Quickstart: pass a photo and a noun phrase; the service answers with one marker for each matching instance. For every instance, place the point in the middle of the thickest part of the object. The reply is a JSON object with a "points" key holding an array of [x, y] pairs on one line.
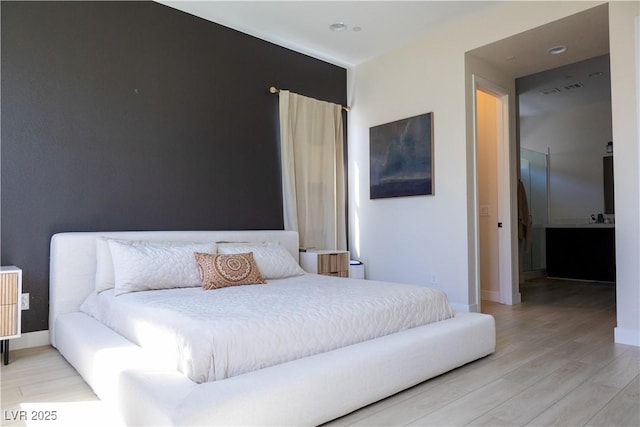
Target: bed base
{"points": [[307, 391]]}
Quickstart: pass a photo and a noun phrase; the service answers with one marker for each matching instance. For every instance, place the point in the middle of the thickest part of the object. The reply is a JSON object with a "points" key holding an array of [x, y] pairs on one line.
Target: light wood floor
{"points": [[555, 364]]}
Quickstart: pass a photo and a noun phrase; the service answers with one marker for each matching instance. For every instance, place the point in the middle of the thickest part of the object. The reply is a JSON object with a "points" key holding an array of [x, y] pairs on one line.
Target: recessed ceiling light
{"points": [[338, 26], [557, 50]]}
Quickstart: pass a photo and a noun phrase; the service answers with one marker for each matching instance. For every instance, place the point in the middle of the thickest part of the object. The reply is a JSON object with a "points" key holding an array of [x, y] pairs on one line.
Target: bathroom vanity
{"points": [[581, 251]]}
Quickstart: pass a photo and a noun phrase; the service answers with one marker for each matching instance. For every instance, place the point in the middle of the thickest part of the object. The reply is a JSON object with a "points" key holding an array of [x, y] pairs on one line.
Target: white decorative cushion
{"points": [[146, 265], [273, 260]]}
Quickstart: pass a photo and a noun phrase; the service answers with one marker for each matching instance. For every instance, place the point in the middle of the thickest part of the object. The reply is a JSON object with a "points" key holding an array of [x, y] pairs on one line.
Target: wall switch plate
{"points": [[24, 302]]}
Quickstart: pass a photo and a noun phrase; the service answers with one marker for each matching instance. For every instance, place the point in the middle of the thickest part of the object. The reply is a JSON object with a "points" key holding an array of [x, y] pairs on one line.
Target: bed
{"points": [[148, 388]]}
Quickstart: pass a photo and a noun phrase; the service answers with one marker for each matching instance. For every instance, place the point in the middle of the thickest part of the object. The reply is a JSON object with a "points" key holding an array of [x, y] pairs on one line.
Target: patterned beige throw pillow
{"points": [[222, 270]]}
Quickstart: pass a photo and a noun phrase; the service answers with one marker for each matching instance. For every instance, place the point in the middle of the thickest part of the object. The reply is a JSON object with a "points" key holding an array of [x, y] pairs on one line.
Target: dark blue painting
{"points": [[401, 156]]}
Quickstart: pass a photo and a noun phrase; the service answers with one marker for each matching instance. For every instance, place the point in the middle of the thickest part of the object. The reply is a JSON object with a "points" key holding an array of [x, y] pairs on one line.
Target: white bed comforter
{"points": [[216, 334]]}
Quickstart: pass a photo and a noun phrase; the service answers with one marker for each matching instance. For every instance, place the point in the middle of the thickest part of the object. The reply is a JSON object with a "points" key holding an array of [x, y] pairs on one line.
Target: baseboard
{"points": [[627, 336], [30, 339], [490, 296], [516, 298], [533, 274], [465, 308]]}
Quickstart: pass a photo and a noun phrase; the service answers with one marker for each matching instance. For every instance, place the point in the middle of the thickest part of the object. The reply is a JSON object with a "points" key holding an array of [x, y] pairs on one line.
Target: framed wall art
{"points": [[401, 158]]}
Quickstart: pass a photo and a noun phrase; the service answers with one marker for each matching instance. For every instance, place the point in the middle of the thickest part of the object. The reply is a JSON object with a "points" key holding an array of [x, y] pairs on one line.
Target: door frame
{"points": [[508, 250]]}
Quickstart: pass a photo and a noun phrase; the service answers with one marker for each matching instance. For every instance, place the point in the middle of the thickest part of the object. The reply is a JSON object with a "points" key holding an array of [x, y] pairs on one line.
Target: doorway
{"points": [[493, 193]]}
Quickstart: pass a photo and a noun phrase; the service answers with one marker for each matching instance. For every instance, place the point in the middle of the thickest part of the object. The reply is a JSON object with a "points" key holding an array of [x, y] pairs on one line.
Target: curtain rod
{"points": [[274, 89]]}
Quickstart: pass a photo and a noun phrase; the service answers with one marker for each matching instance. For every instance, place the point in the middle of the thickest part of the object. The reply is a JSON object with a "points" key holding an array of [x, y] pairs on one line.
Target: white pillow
{"points": [[104, 261], [273, 260], [146, 265], [104, 265]]}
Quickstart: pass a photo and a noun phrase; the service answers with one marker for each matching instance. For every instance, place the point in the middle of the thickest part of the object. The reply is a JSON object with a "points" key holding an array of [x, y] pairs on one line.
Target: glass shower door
{"points": [[534, 175]]}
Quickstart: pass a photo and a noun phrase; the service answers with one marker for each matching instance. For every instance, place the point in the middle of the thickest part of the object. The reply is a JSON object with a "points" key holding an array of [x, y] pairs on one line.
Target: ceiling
{"points": [[581, 83], [377, 27], [547, 83], [303, 26]]}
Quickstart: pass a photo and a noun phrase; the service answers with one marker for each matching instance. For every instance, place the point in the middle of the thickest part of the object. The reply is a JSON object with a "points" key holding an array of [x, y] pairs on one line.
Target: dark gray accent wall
{"points": [[136, 116]]}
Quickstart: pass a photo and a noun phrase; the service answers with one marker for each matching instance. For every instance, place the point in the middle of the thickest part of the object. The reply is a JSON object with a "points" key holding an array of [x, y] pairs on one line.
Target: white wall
{"points": [[577, 139], [410, 239], [625, 45]]}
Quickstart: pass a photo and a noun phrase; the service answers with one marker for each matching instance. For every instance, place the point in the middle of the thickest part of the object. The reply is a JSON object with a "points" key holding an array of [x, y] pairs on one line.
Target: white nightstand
{"points": [[10, 315], [326, 262]]}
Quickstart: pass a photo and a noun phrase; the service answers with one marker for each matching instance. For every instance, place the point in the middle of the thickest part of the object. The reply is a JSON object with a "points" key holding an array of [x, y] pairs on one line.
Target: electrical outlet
{"points": [[24, 302], [434, 280]]}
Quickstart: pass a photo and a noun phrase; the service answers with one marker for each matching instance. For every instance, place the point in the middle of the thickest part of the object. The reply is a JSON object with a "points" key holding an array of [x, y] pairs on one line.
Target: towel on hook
{"points": [[524, 219]]}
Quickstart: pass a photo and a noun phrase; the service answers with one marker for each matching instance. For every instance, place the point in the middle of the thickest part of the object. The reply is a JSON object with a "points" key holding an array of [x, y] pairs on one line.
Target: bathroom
{"points": [[566, 164]]}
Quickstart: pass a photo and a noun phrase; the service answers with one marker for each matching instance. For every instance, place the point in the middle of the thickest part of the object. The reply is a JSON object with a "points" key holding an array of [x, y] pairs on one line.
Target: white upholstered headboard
{"points": [[73, 259]]}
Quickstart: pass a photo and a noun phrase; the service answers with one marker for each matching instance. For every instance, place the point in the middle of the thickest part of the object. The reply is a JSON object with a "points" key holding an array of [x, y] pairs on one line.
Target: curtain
{"points": [[311, 153]]}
